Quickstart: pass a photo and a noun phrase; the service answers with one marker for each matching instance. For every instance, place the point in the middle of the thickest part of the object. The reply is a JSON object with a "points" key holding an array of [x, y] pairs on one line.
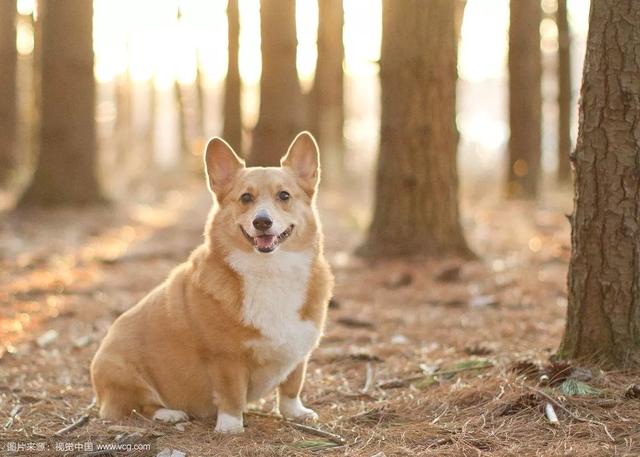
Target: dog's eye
{"points": [[246, 198], [284, 195]]}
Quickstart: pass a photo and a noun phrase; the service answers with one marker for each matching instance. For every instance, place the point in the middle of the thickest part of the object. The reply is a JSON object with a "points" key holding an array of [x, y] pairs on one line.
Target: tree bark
{"points": [[281, 108], [564, 93], [525, 99], [603, 316], [8, 89], [232, 131], [327, 96], [66, 171], [416, 207]]}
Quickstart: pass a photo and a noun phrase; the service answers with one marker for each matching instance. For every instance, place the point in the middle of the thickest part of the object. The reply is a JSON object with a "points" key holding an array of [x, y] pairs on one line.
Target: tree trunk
{"points": [[66, 169], [328, 110], [564, 93], [416, 207], [185, 148], [603, 316], [232, 131], [8, 89], [525, 99], [281, 112]]}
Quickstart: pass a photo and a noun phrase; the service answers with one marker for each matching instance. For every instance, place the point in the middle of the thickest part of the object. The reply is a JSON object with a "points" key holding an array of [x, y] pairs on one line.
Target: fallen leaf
{"points": [[428, 381], [365, 356], [448, 273], [354, 323], [478, 349]]}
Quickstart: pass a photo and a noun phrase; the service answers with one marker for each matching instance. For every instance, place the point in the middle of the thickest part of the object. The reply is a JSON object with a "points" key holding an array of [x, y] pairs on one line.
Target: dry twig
{"points": [[406, 381], [572, 415], [305, 428], [84, 419]]}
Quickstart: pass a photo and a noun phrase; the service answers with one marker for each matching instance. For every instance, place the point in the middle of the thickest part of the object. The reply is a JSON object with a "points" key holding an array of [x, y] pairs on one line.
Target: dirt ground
{"points": [[442, 358]]}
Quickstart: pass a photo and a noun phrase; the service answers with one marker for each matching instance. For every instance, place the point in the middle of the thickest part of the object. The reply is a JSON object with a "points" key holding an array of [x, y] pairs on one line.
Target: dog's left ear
{"points": [[304, 159], [221, 164]]}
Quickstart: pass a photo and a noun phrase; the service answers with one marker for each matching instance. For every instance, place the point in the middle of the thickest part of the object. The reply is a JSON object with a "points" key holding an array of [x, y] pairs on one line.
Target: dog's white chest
{"points": [[275, 289]]}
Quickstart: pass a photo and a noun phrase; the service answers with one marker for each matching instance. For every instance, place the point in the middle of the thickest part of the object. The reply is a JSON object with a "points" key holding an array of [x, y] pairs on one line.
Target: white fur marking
{"points": [[275, 289], [292, 408], [227, 423], [171, 416]]}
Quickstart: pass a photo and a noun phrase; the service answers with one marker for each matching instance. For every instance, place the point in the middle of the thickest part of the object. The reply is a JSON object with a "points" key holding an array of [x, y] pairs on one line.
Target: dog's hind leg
{"points": [[117, 403]]}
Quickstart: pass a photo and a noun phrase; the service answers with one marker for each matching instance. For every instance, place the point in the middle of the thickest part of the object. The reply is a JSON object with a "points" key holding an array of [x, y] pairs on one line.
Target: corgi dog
{"points": [[240, 318]]}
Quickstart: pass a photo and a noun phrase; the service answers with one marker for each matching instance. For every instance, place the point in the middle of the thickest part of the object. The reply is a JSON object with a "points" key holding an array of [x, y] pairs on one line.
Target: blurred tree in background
{"points": [[525, 99], [416, 193], [604, 272], [8, 89], [564, 93], [327, 110], [66, 172], [232, 131], [281, 105]]}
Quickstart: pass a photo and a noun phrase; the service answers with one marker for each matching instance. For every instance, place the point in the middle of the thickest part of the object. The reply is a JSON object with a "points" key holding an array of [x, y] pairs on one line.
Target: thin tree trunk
{"points": [[150, 140], [416, 207], [281, 108], [328, 100], [201, 96], [124, 122], [8, 89], [232, 131], [564, 93], [66, 172], [525, 99], [603, 316], [182, 123]]}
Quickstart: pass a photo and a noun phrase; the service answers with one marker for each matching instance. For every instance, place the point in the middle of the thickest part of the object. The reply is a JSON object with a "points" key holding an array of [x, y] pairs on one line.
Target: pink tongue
{"points": [[265, 241]]}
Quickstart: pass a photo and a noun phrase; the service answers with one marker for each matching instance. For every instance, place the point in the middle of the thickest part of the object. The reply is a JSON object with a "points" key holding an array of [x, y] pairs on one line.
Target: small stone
{"points": [[166, 452], [581, 374], [82, 341], [482, 301], [399, 339], [47, 338], [398, 280]]}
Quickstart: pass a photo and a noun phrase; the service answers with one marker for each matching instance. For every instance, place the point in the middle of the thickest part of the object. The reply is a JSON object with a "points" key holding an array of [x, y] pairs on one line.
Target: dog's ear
{"points": [[304, 159], [221, 164]]}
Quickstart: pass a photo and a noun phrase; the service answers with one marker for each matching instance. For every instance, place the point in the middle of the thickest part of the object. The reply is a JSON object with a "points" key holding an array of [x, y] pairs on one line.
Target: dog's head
{"points": [[265, 208]]}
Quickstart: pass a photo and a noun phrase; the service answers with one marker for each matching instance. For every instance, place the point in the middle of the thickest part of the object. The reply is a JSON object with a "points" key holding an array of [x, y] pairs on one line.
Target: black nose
{"points": [[262, 223]]}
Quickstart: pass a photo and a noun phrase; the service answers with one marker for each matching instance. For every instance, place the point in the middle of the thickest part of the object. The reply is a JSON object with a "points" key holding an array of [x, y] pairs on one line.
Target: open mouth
{"points": [[267, 243]]}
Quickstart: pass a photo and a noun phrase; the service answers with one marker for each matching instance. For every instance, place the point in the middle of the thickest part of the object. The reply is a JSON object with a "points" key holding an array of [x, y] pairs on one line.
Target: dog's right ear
{"points": [[221, 164]]}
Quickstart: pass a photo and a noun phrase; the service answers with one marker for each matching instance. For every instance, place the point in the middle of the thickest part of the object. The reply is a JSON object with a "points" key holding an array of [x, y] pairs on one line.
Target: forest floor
{"points": [[445, 358]]}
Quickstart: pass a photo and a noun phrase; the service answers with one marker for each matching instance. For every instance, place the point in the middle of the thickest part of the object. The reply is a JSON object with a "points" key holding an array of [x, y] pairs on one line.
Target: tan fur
{"points": [[184, 346]]}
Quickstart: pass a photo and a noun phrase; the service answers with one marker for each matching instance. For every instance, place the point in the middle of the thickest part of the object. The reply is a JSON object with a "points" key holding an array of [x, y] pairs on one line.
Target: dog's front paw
{"points": [[170, 416], [292, 408], [229, 424]]}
